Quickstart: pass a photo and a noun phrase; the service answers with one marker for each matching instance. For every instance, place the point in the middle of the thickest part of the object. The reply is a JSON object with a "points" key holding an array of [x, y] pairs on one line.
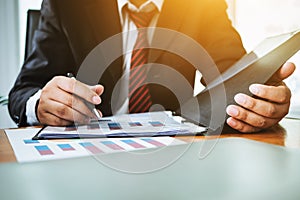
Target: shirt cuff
{"points": [[30, 108]]}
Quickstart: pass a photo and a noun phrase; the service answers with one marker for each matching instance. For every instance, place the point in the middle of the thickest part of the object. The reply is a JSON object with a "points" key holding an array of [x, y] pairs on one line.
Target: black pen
{"points": [[88, 104]]}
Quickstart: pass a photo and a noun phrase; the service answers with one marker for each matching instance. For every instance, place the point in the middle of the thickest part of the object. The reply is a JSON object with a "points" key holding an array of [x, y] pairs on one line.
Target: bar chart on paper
{"points": [[28, 150], [126, 125]]}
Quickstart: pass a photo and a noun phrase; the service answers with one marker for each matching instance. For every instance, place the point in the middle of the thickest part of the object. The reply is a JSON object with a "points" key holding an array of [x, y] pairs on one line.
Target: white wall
{"points": [[9, 53], [24, 5], [12, 39]]}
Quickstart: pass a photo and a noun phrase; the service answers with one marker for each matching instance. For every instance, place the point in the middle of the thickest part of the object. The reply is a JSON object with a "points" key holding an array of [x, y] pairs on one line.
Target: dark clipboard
{"points": [[38, 136]]}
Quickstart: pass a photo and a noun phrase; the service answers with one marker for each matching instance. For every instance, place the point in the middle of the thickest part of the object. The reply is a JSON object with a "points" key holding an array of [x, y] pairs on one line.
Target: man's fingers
{"points": [[76, 87], [53, 120], [64, 100], [241, 126], [261, 107], [269, 105], [99, 89], [278, 94], [64, 112], [249, 117], [100, 113], [286, 70], [72, 101]]}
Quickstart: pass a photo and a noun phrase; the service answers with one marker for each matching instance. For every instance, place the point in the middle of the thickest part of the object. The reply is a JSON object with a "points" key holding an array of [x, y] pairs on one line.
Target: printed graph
{"points": [[113, 126], [112, 145], [31, 141], [134, 124], [153, 142], [156, 123], [90, 147], [93, 126], [28, 150], [66, 147], [133, 143], [44, 150]]}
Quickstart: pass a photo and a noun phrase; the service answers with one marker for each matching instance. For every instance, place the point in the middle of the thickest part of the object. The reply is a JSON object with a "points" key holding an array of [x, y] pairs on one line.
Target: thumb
{"points": [[284, 72], [98, 89]]}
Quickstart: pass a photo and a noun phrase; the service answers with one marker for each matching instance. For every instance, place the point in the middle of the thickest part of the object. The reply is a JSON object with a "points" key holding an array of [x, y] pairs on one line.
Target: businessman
{"points": [[69, 30]]}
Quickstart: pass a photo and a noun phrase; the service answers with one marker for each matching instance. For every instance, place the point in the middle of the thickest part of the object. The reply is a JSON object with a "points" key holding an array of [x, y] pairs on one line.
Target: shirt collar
{"points": [[157, 3]]}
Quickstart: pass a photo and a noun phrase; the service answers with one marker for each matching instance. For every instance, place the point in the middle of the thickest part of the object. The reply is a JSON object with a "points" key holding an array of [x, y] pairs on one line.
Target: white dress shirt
{"points": [[129, 37]]}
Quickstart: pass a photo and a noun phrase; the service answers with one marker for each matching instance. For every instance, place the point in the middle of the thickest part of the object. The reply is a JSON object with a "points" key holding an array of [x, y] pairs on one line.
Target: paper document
{"points": [[28, 150], [127, 125]]}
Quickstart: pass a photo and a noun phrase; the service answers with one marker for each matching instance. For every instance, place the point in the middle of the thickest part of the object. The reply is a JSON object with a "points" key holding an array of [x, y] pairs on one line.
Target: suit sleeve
{"points": [[50, 56], [220, 38]]}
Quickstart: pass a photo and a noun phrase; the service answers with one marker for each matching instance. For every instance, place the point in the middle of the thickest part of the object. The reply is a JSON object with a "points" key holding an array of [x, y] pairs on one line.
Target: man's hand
{"points": [[269, 105], [62, 101]]}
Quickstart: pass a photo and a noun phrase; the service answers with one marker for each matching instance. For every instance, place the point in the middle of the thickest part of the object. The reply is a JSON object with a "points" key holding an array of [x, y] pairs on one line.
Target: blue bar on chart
{"points": [[133, 124], [90, 147], [114, 126], [112, 145], [153, 142], [29, 141], [156, 123], [133, 144], [66, 147], [44, 150]]}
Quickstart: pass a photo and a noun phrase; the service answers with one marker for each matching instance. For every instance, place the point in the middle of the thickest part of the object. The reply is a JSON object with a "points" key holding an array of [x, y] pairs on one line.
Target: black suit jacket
{"points": [[70, 29]]}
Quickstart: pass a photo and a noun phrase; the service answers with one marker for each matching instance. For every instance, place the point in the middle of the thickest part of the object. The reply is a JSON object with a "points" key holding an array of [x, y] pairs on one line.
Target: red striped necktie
{"points": [[139, 96]]}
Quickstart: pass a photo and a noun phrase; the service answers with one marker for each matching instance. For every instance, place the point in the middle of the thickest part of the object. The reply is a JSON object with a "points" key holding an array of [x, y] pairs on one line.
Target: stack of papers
{"points": [[128, 125]]}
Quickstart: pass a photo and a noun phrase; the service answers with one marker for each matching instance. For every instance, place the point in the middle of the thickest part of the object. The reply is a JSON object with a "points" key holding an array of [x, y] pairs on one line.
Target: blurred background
{"points": [[254, 19]]}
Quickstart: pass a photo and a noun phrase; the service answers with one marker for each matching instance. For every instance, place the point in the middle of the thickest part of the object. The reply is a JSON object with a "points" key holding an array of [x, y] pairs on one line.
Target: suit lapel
{"points": [[104, 21], [103, 18], [171, 17]]}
